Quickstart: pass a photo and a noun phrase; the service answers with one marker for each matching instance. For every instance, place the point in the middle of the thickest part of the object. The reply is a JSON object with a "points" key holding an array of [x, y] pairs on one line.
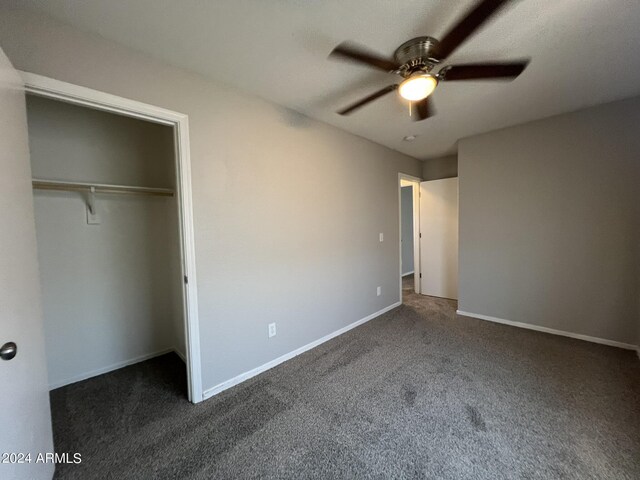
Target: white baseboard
{"points": [[553, 331], [110, 368], [408, 273], [288, 356], [180, 354]]}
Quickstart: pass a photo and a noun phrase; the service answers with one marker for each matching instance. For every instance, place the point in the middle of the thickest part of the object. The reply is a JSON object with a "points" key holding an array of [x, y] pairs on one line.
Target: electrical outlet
{"points": [[379, 291], [382, 237], [272, 330]]}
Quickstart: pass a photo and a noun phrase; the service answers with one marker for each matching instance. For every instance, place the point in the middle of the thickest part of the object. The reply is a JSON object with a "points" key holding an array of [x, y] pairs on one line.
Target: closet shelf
{"points": [[100, 188]]}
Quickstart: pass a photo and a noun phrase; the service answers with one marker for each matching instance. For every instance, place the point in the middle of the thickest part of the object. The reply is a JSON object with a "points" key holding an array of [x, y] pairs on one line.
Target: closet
{"points": [[108, 235]]}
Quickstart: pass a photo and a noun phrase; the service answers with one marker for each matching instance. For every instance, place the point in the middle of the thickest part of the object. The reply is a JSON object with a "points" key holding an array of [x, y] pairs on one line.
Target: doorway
{"points": [[409, 201], [129, 256]]}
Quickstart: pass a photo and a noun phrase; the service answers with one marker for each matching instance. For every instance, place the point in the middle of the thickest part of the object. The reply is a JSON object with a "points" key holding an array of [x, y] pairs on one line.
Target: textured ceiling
{"points": [[583, 52]]}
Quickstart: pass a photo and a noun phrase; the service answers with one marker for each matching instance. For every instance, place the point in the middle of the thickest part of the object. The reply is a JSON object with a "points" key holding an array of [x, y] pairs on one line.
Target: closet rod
{"points": [[100, 188]]}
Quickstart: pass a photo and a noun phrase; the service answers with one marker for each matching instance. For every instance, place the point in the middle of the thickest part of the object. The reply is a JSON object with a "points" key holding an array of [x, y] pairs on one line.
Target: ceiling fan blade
{"points": [[477, 71], [465, 27], [349, 51], [422, 110], [370, 98]]}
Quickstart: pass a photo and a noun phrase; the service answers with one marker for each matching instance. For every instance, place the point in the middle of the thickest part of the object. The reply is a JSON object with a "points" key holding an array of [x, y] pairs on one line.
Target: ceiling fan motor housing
{"points": [[416, 54]]}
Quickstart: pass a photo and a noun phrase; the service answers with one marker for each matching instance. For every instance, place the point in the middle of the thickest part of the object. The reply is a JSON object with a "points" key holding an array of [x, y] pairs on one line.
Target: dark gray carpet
{"points": [[416, 393]]}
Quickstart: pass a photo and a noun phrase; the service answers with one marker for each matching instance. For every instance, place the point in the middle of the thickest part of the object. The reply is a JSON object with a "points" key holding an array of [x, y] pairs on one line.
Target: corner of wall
{"points": [[441, 167]]}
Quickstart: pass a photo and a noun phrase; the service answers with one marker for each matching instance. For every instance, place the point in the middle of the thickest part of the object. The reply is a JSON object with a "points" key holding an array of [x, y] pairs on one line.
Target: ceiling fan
{"points": [[416, 60]]}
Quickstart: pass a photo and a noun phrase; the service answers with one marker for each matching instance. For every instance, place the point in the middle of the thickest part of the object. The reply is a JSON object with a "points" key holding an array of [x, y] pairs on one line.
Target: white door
{"points": [[439, 238], [25, 419]]}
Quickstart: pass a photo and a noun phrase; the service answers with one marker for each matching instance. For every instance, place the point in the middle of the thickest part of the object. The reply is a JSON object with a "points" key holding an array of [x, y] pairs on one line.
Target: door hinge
{"points": [[420, 275], [186, 279], [420, 234]]}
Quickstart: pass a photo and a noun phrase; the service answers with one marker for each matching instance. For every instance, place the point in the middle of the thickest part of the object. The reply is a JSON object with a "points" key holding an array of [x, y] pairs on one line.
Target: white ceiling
{"points": [[583, 52]]}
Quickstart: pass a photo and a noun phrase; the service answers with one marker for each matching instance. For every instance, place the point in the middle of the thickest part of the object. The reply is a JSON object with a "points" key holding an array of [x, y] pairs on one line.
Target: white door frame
{"points": [[67, 92], [415, 181]]}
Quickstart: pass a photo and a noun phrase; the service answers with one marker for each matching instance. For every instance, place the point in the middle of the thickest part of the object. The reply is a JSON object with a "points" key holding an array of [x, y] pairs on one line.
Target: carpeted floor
{"points": [[416, 393], [407, 283]]}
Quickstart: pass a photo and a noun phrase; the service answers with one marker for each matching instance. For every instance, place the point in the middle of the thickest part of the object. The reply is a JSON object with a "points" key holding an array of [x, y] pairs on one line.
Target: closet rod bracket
{"points": [[91, 202], [92, 215]]}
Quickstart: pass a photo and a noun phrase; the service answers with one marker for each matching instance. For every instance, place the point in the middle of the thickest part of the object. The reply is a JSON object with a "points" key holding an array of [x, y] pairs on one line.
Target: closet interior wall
{"points": [[112, 292]]}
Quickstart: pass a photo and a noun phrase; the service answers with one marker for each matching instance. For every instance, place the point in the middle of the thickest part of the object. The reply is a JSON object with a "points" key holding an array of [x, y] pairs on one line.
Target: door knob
{"points": [[8, 351]]}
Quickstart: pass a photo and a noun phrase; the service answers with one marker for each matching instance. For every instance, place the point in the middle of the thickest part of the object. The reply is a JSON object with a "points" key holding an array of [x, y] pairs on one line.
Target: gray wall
{"points": [[438, 168], [283, 233], [549, 220], [111, 292], [406, 207]]}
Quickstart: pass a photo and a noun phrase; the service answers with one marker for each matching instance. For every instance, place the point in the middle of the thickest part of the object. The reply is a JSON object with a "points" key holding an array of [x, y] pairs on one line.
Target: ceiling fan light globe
{"points": [[418, 87]]}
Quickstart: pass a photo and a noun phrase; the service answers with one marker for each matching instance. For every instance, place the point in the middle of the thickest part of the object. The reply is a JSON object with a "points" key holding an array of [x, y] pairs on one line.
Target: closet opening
{"points": [[113, 249]]}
